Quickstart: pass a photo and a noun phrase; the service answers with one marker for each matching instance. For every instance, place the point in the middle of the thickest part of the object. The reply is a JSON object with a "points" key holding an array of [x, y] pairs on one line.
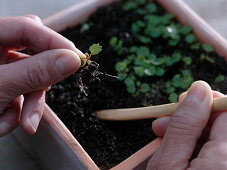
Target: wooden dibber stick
{"points": [[219, 104]]}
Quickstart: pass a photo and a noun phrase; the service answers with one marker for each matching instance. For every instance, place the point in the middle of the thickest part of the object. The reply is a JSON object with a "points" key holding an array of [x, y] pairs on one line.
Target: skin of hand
{"points": [[193, 138], [24, 78]]}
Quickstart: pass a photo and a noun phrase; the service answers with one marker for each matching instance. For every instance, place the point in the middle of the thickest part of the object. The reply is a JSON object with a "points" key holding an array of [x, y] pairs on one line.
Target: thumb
{"points": [[185, 128], [35, 73]]}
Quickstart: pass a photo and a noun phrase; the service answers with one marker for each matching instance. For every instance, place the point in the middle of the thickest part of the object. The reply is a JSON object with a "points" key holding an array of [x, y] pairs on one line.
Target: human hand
{"points": [[193, 138], [23, 77]]}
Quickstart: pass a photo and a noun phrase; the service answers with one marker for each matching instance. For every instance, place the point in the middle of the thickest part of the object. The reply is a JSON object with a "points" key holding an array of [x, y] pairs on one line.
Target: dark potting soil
{"points": [[109, 143]]}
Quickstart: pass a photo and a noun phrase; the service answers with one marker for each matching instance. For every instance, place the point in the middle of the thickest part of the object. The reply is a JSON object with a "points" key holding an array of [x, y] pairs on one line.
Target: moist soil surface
{"points": [[109, 143]]}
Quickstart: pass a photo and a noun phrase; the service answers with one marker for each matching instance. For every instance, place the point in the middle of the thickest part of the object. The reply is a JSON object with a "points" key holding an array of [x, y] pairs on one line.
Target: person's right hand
{"points": [[193, 138], [23, 77]]}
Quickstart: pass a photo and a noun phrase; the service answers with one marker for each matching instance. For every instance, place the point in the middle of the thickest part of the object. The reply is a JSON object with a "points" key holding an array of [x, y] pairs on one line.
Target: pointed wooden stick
{"points": [[219, 104]]}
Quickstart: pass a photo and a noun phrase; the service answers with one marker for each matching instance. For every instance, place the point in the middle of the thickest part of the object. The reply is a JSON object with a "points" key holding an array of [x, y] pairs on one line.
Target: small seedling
{"points": [[208, 48], [94, 50], [219, 79], [190, 38]]}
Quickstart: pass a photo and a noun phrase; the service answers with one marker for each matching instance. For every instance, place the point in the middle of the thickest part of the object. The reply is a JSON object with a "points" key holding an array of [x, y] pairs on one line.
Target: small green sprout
{"points": [[151, 8], [208, 48], [117, 45], [129, 6], [144, 88], [190, 38], [84, 27], [185, 30], [187, 60], [173, 97], [195, 46], [207, 57], [219, 79], [94, 50]]}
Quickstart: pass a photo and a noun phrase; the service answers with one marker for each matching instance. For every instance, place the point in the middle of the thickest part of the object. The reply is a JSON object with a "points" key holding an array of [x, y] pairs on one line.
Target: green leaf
{"points": [[113, 41], [139, 71], [168, 84], [150, 71], [141, 11], [143, 51], [148, 30], [185, 80], [208, 48], [172, 31], [139, 61], [151, 8], [190, 38], [144, 88], [173, 97], [206, 57], [185, 30], [122, 76], [120, 66], [195, 46], [159, 71], [144, 39], [185, 83], [131, 88], [155, 61], [95, 49], [169, 61], [186, 73], [173, 42], [155, 33], [176, 57], [219, 79], [153, 20], [138, 83], [177, 80], [169, 16], [141, 2], [166, 19], [136, 26], [140, 23], [187, 60], [129, 6], [170, 90], [133, 49]]}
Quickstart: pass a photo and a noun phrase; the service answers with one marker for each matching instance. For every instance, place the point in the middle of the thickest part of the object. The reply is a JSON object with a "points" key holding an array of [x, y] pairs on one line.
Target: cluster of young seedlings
{"points": [[142, 62]]}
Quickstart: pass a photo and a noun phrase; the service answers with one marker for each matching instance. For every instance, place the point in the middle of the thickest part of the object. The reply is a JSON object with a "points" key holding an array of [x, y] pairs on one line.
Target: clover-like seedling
{"points": [[94, 50]]}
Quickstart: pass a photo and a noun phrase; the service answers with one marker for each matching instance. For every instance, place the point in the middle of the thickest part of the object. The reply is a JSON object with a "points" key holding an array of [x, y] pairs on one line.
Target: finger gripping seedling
{"points": [[90, 72], [94, 50]]}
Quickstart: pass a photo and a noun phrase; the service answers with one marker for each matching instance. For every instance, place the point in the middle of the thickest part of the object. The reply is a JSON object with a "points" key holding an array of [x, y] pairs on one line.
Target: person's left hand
{"points": [[24, 78]]}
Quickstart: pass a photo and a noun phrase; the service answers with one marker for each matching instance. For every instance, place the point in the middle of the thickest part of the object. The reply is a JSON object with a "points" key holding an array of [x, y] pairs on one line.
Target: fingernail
{"points": [[197, 92], [67, 64], [162, 120], [34, 120], [4, 128]]}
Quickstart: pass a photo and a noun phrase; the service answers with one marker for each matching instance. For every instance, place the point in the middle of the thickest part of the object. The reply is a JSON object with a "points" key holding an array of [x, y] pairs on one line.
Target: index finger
{"points": [[28, 31]]}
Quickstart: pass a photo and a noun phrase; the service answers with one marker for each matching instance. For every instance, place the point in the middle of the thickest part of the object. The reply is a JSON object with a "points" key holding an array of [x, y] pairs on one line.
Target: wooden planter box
{"points": [[53, 146]]}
